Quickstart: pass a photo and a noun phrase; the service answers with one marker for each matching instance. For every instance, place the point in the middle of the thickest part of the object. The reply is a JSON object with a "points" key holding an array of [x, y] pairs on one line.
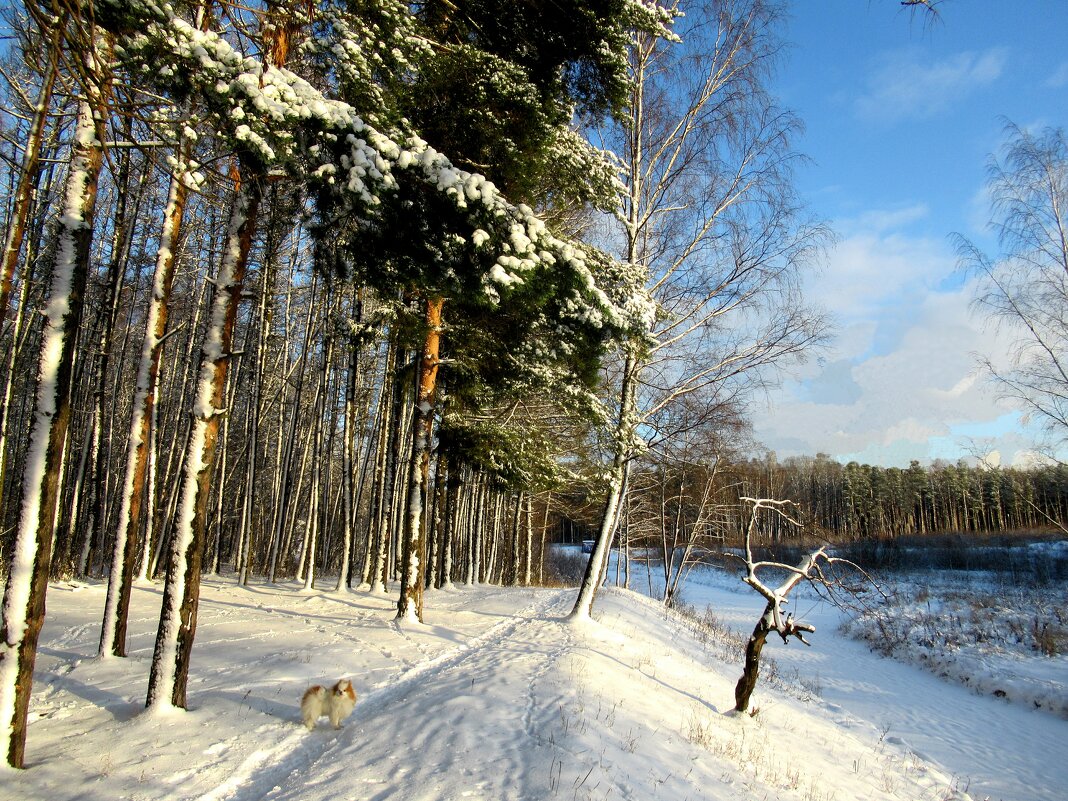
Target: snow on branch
{"points": [[816, 567], [276, 120]]}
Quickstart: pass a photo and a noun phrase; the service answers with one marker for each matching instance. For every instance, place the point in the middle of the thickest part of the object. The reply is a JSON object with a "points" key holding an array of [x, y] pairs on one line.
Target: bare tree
{"points": [[710, 222], [1024, 288], [817, 568]]}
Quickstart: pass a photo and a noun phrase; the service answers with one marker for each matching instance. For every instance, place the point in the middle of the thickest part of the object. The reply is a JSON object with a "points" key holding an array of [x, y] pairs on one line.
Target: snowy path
{"points": [[497, 698], [441, 701], [995, 749]]}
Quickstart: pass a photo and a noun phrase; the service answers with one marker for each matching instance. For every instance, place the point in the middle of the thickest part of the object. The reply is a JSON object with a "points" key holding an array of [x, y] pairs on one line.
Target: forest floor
{"points": [[497, 696]]}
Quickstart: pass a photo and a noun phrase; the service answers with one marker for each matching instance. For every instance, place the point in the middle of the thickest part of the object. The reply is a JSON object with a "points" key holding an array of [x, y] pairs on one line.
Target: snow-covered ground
{"points": [[498, 697], [999, 639], [995, 748]]}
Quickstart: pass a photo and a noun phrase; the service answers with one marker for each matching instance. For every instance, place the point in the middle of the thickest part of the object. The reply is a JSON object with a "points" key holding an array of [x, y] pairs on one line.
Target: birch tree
{"points": [[1024, 287], [710, 223], [24, 593], [183, 176]]}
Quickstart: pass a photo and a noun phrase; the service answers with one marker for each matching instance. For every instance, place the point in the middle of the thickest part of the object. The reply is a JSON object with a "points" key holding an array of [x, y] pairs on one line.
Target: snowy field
{"points": [[1008, 641], [497, 697]]}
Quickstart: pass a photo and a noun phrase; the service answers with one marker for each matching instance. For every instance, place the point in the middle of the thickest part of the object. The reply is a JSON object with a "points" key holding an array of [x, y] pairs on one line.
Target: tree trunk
{"points": [[120, 580], [511, 576], [178, 620], [544, 532], [747, 683], [24, 594], [267, 282], [624, 436], [376, 548], [348, 461], [410, 603], [318, 456]]}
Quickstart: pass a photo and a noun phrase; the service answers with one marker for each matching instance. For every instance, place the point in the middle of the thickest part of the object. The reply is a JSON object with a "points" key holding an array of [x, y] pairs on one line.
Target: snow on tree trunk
{"points": [[410, 603], [120, 581], [151, 469], [24, 594], [178, 617], [17, 219], [624, 446]]}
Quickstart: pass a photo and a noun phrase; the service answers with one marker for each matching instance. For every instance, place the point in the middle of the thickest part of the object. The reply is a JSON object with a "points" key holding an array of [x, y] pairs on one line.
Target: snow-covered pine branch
{"points": [[279, 120]]}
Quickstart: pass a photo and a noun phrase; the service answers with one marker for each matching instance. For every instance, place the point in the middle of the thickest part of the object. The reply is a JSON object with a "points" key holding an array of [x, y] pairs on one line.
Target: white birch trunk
{"points": [[24, 594], [178, 616], [624, 446], [120, 580]]}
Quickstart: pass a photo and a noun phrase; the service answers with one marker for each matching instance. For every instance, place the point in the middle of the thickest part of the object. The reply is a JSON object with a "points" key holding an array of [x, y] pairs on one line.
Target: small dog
{"points": [[337, 702]]}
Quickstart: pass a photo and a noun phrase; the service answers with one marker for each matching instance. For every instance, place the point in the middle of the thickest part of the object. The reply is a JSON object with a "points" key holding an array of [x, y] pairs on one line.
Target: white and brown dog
{"points": [[337, 702]]}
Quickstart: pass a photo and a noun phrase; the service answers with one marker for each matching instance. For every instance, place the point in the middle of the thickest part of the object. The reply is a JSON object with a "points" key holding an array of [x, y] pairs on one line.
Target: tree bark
{"points": [[410, 603], [348, 461], [178, 620], [743, 690], [24, 594], [624, 436]]}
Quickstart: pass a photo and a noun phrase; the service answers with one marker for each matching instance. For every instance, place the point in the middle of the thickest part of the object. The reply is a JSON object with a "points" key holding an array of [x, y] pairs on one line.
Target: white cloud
{"points": [[961, 387], [910, 430], [875, 267], [901, 86], [1059, 78], [977, 212], [901, 381], [1026, 459], [883, 220]]}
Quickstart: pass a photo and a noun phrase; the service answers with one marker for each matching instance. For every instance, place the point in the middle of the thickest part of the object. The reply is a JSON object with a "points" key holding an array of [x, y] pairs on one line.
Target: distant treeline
{"points": [[860, 501]]}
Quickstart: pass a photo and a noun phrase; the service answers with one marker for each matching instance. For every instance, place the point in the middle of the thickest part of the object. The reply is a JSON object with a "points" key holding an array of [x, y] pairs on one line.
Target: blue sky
{"points": [[901, 117]]}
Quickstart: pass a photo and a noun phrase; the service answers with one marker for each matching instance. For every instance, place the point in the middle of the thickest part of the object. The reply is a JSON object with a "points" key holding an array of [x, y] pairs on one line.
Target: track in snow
{"points": [[383, 716]]}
